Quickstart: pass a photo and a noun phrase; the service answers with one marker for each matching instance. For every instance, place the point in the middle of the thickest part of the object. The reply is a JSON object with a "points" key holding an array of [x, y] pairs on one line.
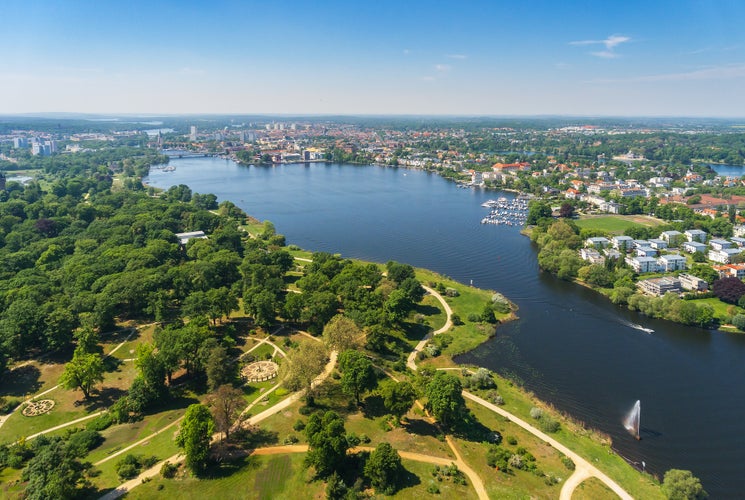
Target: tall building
{"points": [[193, 133], [20, 142]]}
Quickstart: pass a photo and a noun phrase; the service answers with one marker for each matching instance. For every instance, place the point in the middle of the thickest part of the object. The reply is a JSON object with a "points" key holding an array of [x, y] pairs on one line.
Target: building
{"points": [[591, 255], [660, 286], [730, 270], [184, 238], [193, 133], [672, 237], [692, 283], [740, 242], [622, 243], [612, 253], [724, 255], [739, 230], [20, 142], [646, 252], [658, 244], [642, 264], [718, 244], [671, 262], [597, 242], [694, 246], [695, 235]]}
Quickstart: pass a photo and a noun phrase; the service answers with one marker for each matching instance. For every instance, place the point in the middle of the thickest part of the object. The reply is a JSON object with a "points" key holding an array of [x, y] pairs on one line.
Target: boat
{"points": [[169, 168]]}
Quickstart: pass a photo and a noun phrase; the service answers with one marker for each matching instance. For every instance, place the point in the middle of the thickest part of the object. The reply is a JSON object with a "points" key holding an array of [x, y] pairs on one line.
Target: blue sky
{"points": [[623, 58]]}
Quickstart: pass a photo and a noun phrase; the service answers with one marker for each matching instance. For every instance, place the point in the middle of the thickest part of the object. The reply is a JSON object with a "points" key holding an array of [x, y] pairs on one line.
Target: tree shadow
{"points": [[374, 407], [112, 364], [470, 429], [254, 437], [427, 310], [21, 381], [422, 428], [105, 397], [407, 479], [415, 331], [226, 469]]}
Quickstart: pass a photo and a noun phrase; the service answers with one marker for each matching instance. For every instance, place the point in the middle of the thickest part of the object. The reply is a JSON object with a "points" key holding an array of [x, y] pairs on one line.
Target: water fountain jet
{"points": [[633, 420]]}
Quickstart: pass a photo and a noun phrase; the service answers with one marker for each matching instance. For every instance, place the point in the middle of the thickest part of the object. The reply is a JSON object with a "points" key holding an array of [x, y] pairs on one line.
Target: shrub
{"points": [[128, 467], [364, 438], [101, 422], [291, 439], [536, 413], [516, 461], [498, 457], [568, 462], [83, 441], [353, 440], [456, 320], [474, 318], [739, 321], [511, 440], [550, 425], [433, 488], [168, 470], [299, 425], [8, 404], [148, 462]]}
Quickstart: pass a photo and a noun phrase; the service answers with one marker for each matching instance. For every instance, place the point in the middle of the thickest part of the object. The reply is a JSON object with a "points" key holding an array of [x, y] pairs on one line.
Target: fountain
{"points": [[633, 419]]}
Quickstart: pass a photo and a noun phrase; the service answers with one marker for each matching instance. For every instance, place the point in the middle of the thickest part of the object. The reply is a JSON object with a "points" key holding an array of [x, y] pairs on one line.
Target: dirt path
{"points": [[411, 360], [579, 462]]}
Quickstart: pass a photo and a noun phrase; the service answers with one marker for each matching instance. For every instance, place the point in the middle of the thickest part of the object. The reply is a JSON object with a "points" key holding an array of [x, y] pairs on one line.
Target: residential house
{"points": [[672, 237], [597, 242], [660, 286], [612, 253], [695, 235], [646, 252], [622, 243], [740, 242], [730, 270], [641, 243], [672, 262], [591, 255], [724, 255], [642, 264], [658, 244], [185, 237], [739, 230], [718, 244], [693, 283], [694, 246]]}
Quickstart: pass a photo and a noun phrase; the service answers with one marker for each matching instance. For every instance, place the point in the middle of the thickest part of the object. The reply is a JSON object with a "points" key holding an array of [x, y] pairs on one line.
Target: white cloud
{"points": [[443, 68], [610, 43]]}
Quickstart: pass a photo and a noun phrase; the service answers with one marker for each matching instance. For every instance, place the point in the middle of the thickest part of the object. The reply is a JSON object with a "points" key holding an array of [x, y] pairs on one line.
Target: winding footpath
{"points": [[411, 360]]}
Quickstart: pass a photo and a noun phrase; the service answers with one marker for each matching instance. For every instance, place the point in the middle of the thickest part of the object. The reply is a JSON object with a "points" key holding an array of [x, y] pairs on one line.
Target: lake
{"points": [[571, 347]]}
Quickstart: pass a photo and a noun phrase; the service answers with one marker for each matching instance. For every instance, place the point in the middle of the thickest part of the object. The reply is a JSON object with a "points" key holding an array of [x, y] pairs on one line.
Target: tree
{"points": [[151, 368], [397, 397], [54, 473], [219, 367], [566, 210], [384, 469], [444, 398], [537, 210], [357, 374], [341, 333], [728, 289], [226, 405], [194, 436], [398, 272], [327, 443], [304, 365], [83, 371], [682, 485], [397, 307]]}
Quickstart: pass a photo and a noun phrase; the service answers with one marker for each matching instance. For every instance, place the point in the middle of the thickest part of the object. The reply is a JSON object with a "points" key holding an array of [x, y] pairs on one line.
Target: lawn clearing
{"points": [[616, 224]]}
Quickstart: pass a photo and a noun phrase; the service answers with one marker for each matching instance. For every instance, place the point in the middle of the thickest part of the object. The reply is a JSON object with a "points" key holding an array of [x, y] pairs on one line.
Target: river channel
{"points": [[571, 347]]}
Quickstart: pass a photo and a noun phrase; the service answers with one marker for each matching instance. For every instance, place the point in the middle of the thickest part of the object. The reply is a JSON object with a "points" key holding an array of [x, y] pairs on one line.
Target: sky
{"points": [[569, 57]]}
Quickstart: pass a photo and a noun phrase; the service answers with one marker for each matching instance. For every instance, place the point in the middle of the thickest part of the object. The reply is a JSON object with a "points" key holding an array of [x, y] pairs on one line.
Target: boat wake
{"points": [[640, 327]]}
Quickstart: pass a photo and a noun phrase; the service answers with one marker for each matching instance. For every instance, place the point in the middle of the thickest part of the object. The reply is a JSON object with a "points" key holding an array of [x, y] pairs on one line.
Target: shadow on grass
{"points": [[21, 381], [374, 407], [104, 398], [226, 469], [112, 364], [427, 310], [470, 429], [119, 336], [422, 428], [415, 331], [408, 479]]}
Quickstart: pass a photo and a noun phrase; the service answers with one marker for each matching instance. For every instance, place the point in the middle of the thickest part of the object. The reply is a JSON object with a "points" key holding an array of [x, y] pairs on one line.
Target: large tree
{"points": [[54, 473], [226, 404], [341, 333], [397, 397], [303, 365], [194, 436], [445, 398], [682, 485], [357, 373], [383, 468], [327, 443], [83, 371]]}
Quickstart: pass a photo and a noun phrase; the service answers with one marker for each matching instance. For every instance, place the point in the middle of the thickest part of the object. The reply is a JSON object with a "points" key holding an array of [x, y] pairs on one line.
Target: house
{"points": [[672, 262], [730, 270], [658, 244], [611, 253], [695, 235], [672, 237], [724, 255], [184, 238], [694, 246], [642, 264], [591, 255], [693, 283], [660, 286], [717, 244], [739, 230], [572, 194], [740, 242], [622, 243], [641, 243], [597, 242], [646, 252]]}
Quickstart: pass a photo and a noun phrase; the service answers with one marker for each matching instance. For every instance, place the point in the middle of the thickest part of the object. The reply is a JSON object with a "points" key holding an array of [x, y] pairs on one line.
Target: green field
{"points": [[616, 224]]}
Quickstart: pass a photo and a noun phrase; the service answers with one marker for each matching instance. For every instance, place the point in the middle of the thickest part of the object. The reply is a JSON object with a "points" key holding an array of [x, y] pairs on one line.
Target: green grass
{"points": [[419, 476], [616, 224], [255, 477], [593, 489], [720, 308]]}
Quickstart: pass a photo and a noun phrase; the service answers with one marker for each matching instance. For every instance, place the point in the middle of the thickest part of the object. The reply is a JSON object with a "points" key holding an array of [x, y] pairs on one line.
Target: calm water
{"points": [[728, 170], [571, 347]]}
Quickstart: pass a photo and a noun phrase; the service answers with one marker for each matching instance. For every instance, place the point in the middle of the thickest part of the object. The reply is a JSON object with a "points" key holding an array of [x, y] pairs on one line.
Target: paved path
{"points": [[141, 441], [582, 465], [411, 360]]}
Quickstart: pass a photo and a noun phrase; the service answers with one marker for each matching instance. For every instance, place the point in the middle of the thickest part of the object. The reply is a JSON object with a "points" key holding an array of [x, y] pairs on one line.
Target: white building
{"points": [[695, 235], [694, 246], [672, 237], [724, 255], [718, 244], [671, 262], [623, 243], [642, 264]]}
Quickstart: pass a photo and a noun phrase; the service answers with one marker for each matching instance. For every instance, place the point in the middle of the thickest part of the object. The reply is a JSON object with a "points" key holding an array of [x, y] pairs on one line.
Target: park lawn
{"points": [[720, 308], [585, 442], [33, 378], [254, 477], [419, 476], [11, 485], [161, 446], [262, 352], [616, 224], [593, 489], [519, 484]]}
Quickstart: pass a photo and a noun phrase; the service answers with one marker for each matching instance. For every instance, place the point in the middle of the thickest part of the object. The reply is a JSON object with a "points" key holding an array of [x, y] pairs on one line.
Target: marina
{"points": [[508, 212]]}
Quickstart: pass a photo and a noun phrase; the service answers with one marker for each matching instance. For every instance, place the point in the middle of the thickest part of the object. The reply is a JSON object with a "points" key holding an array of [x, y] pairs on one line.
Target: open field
{"points": [[616, 224]]}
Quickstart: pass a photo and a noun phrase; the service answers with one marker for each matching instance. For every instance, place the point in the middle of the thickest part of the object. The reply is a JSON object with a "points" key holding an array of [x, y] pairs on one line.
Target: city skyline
{"points": [[422, 58]]}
